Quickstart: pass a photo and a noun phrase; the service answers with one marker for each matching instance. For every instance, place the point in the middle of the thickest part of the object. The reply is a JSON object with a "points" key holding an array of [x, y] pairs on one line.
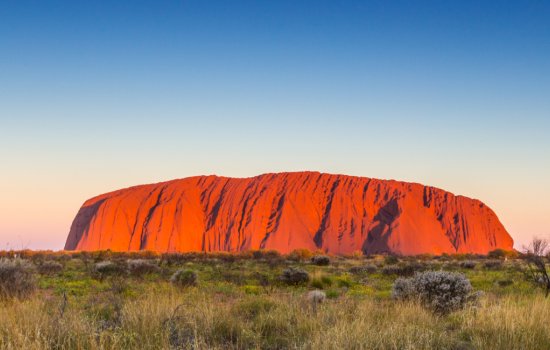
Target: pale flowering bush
{"points": [[316, 296], [440, 291], [403, 289], [139, 267]]}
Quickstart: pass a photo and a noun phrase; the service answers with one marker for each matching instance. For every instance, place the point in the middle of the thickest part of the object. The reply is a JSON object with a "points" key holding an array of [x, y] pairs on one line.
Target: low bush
{"points": [[390, 259], [440, 291], [391, 270], [254, 290], [468, 264], [369, 268], [316, 297], [184, 278], [321, 282], [320, 260], [505, 283], [332, 294], [493, 264], [404, 289], [344, 282], [294, 276], [502, 254], [357, 270], [106, 268], [263, 279], [266, 255], [299, 255], [226, 257], [105, 308], [16, 279], [251, 308], [403, 269], [140, 267], [50, 267], [236, 277], [170, 259]]}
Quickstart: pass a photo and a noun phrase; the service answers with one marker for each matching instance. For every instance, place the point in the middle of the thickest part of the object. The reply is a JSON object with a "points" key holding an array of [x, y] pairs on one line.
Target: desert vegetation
{"points": [[265, 300]]}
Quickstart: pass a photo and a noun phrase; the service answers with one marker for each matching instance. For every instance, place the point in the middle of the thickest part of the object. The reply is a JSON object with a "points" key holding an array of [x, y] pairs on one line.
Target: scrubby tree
{"points": [[535, 256]]}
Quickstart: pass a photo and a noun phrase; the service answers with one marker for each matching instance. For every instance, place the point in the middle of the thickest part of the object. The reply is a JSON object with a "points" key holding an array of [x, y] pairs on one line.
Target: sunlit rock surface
{"points": [[335, 213]]}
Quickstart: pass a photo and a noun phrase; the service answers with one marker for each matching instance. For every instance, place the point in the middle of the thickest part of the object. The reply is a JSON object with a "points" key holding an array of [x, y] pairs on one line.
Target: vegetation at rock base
{"points": [[108, 300]]}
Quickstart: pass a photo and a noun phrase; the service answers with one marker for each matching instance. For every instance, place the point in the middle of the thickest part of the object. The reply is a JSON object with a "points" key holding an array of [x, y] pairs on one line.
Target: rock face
{"points": [[335, 213]]}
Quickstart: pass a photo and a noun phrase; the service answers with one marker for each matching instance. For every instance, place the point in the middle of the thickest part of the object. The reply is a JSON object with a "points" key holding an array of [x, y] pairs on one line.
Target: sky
{"points": [[101, 95]]}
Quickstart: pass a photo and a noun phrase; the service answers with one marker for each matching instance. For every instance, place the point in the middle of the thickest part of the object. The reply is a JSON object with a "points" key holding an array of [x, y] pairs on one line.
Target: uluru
{"points": [[337, 214]]}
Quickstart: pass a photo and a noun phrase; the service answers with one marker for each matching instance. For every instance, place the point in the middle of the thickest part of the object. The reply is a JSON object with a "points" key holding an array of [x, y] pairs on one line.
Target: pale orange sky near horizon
{"points": [[38, 213], [96, 96]]}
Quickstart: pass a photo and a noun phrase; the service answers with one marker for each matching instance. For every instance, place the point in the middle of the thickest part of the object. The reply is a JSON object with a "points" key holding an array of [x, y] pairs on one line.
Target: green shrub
{"points": [[263, 279], [294, 276], [170, 259], [50, 267], [321, 282], [140, 267], [326, 280], [505, 283], [106, 268], [343, 282], [332, 294], [299, 255], [316, 283], [369, 268], [403, 269], [254, 290], [391, 270], [237, 278], [252, 307], [266, 255], [501, 253], [184, 278], [468, 264], [493, 264], [105, 308], [390, 259], [320, 260]]}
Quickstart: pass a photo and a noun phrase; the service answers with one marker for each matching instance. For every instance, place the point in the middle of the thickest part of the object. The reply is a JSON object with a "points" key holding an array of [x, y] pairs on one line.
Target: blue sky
{"points": [[101, 95]]}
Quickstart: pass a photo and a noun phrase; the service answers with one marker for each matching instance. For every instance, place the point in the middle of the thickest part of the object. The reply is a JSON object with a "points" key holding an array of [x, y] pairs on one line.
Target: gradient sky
{"points": [[100, 95]]}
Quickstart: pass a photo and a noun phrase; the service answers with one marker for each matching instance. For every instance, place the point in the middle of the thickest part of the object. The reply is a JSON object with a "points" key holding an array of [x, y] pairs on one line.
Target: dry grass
{"points": [[509, 323], [239, 302], [191, 319]]}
